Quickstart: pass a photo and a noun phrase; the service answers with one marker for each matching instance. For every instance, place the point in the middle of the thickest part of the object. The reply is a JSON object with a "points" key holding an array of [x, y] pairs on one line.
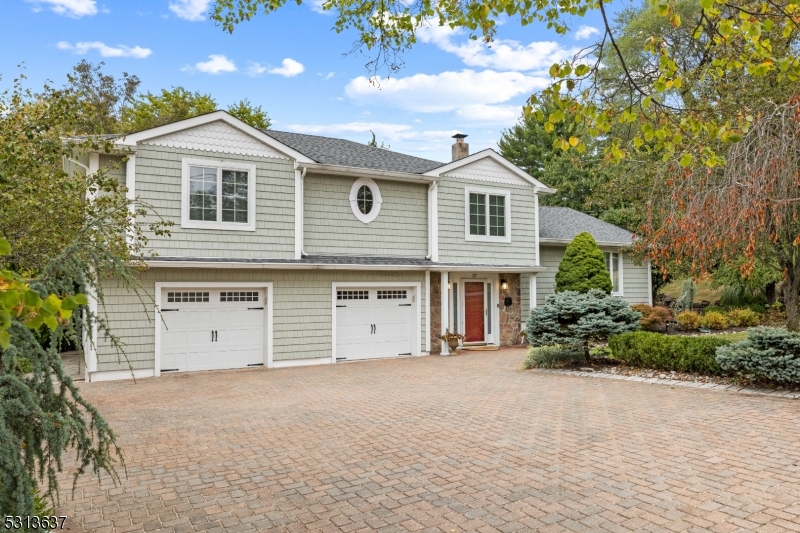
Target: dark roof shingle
{"points": [[563, 223], [330, 151]]}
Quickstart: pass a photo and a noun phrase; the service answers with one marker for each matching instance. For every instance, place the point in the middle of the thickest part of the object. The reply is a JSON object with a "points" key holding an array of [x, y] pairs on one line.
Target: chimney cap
{"points": [[460, 136]]}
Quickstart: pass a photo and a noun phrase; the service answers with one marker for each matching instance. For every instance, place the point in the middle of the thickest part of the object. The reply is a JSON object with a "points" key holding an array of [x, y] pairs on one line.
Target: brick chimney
{"points": [[460, 148]]}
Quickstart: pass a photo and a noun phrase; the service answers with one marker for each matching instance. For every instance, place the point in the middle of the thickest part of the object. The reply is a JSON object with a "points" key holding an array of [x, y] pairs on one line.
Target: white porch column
{"points": [[445, 314], [427, 330], [532, 288]]}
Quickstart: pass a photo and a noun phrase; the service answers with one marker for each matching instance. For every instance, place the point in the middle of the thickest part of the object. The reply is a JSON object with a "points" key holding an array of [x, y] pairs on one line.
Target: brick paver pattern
{"points": [[439, 444]]}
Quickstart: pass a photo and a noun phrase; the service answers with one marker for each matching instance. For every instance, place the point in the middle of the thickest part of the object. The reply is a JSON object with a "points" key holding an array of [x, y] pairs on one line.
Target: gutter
{"points": [[599, 243], [436, 267]]}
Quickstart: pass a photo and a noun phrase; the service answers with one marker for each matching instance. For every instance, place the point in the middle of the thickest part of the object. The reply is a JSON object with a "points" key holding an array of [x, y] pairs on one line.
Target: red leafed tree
{"points": [[749, 207]]}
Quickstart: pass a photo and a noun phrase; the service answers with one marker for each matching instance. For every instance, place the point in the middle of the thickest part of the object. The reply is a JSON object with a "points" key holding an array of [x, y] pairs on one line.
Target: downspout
{"points": [[84, 167]]}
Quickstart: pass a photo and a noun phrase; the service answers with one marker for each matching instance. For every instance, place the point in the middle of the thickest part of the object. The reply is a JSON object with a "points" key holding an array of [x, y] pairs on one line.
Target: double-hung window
{"points": [[488, 215], [218, 195], [614, 266]]}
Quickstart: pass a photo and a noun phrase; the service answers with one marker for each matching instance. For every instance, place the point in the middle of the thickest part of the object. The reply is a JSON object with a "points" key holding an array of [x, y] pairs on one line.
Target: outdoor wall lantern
{"points": [[504, 284]]}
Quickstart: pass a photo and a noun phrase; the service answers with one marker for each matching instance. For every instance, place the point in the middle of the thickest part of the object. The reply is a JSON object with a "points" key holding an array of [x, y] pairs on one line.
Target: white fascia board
{"points": [[359, 172], [609, 244], [133, 139], [331, 266], [477, 156]]}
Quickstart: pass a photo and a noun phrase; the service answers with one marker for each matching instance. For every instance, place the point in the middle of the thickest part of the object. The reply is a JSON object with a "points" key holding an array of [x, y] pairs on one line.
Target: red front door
{"points": [[474, 311]]}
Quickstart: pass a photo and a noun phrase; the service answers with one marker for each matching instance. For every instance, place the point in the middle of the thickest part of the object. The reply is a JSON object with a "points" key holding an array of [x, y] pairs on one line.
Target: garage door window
{"points": [[392, 295], [238, 296], [352, 295], [187, 297]]}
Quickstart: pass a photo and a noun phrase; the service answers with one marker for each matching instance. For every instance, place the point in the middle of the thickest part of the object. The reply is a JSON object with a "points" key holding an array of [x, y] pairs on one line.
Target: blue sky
{"points": [[295, 66]]}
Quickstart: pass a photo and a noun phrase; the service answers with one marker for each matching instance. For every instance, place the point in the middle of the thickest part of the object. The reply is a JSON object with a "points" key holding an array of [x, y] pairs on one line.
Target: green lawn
{"points": [[703, 291], [735, 337]]}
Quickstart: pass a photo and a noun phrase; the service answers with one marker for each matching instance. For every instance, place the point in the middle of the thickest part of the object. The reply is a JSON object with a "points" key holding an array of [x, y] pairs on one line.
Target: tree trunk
{"points": [[790, 297]]}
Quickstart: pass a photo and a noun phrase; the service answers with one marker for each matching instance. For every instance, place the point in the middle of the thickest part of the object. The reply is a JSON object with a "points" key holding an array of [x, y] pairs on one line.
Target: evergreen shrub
{"points": [[654, 318], [714, 320], [771, 353], [553, 356], [583, 267], [743, 318], [575, 319], [646, 349], [688, 320]]}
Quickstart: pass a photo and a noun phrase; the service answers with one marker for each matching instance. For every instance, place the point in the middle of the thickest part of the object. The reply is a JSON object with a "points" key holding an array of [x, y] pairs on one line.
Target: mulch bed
{"points": [[607, 365]]}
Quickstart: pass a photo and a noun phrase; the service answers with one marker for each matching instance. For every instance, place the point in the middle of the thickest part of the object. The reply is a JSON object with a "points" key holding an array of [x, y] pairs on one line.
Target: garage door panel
{"points": [[372, 327], [238, 341]]}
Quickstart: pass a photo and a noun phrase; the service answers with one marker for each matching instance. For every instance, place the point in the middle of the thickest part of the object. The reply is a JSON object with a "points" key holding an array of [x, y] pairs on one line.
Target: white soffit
{"points": [[217, 136], [487, 170]]}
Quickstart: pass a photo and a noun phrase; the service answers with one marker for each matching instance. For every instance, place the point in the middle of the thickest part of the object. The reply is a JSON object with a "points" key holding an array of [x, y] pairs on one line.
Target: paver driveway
{"points": [[467, 443]]}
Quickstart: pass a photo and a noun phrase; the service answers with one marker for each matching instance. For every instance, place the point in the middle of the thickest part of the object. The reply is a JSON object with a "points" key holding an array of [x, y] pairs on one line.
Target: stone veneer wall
{"points": [[509, 316], [436, 312]]}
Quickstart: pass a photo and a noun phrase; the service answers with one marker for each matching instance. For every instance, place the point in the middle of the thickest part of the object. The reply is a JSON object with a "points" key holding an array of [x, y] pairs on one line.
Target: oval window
{"points": [[364, 199]]}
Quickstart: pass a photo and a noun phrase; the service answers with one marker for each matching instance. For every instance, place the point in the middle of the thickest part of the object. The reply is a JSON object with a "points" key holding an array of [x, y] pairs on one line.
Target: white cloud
{"points": [[584, 32], [255, 69], [216, 64], [327, 76], [105, 50], [447, 91], [500, 54], [501, 114], [289, 69], [193, 10], [316, 6], [70, 8]]}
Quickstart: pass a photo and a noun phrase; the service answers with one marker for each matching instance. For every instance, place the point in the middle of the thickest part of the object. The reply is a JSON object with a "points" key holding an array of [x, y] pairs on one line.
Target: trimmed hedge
{"points": [[771, 353], [553, 356], [668, 352]]}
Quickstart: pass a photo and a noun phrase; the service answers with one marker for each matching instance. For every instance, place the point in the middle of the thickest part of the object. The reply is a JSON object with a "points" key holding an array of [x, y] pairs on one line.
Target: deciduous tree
{"points": [[250, 114], [740, 43], [151, 110], [68, 230], [748, 208]]}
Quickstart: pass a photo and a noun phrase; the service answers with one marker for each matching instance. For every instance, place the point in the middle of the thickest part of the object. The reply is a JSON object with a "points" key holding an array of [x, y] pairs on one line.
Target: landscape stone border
{"points": [[793, 395]]}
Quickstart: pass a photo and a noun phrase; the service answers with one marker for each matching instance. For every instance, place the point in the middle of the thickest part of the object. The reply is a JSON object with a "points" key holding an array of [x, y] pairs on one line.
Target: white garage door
{"points": [[207, 329], [374, 323]]}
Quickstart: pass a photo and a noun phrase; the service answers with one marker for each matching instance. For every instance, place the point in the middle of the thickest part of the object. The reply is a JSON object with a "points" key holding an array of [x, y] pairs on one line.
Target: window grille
{"points": [[352, 295], [392, 295], [238, 296], [187, 297]]}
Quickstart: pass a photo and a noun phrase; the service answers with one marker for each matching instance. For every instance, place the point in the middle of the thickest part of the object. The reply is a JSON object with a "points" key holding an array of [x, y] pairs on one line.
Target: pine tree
{"points": [[574, 320], [583, 267]]}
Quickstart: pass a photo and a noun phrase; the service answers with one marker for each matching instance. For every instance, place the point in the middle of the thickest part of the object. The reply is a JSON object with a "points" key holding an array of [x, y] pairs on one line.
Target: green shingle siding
{"points": [[331, 228], [158, 183], [301, 310], [453, 246], [634, 278], [114, 166]]}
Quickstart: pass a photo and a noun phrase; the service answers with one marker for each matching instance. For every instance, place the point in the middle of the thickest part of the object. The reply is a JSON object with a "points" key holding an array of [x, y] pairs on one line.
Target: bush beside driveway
{"points": [[465, 443]]}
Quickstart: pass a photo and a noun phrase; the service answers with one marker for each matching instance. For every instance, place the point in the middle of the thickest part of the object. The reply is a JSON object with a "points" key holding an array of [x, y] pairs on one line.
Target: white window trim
{"points": [[377, 200], [620, 292], [219, 165], [493, 192]]}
